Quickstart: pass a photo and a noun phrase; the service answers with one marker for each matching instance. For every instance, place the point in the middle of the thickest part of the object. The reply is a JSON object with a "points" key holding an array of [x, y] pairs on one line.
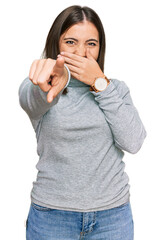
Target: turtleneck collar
{"points": [[76, 83]]}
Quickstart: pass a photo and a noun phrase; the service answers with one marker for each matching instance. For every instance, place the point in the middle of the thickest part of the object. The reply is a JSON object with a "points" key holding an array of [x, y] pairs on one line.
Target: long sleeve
{"points": [[34, 101], [122, 116]]}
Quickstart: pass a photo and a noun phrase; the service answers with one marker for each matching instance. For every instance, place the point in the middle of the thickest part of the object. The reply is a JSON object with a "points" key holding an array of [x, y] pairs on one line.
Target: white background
{"points": [[135, 33]]}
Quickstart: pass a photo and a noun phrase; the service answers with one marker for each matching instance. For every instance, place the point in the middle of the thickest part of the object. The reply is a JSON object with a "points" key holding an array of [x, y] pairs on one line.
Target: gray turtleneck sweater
{"points": [[81, 139]]}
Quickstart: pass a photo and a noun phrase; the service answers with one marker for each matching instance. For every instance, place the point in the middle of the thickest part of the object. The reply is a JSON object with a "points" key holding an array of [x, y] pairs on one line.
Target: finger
{"points": [[52, 94], [73, 71], [59, 67], [44, 76], [72, 56], [72, 62], [38, 70], [32, 69], [73, 68]]}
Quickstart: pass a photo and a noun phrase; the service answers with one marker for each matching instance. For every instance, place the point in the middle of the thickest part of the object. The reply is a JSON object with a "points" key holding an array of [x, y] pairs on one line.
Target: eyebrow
{"points": [[89, 40], [92, 39], [71, 39]]}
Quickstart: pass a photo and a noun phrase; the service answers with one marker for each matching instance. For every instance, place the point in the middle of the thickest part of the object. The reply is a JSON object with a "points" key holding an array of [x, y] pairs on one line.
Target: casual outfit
{"points": [[80, 141]]}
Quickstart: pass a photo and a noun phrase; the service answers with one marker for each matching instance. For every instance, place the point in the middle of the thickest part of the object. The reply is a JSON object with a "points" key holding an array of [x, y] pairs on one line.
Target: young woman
{"points": [[83, 122]]}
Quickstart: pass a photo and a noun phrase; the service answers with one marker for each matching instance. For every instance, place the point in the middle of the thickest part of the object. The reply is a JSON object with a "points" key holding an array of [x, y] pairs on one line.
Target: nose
{"points": [[81, 51]]}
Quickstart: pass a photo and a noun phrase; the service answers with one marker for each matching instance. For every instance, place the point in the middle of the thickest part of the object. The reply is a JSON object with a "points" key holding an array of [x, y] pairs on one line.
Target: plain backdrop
{"points": [[135, 53]]}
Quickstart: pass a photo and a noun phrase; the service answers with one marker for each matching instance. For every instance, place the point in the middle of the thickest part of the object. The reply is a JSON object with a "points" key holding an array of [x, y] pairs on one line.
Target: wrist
{"points": [[100, 84]]}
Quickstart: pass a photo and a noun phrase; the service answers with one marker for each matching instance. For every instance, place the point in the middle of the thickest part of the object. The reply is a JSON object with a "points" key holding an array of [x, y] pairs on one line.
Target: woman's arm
{"points": [[115, 102], [35, 101], [122, 116]]}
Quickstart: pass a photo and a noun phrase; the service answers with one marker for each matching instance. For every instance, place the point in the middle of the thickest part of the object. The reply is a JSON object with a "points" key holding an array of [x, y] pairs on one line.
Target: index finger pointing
{"points": [[59, 66]]}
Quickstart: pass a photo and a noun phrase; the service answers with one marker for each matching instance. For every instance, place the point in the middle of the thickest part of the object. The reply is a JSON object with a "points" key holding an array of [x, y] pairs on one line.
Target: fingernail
{"points": [[62, 53]]}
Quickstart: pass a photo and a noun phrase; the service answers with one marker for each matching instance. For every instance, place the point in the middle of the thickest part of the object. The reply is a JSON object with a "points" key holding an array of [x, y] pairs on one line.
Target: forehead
{"points": [[82, 30]]}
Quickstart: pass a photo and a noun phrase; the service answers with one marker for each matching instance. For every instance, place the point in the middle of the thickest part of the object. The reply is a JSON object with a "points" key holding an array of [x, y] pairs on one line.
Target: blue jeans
{"points": [[52, 224]]}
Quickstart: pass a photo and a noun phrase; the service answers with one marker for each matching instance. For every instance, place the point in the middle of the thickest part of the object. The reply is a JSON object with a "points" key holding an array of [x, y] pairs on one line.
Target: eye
{"points": [[92, 44], [70, 42]]}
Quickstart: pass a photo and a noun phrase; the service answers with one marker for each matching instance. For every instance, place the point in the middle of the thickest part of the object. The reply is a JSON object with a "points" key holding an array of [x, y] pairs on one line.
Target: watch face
{"points": [[100, 84]]}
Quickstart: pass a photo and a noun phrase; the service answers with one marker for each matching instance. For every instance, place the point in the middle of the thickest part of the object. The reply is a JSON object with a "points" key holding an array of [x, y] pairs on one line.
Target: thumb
{"points": [[52, 94], [88, 54]]}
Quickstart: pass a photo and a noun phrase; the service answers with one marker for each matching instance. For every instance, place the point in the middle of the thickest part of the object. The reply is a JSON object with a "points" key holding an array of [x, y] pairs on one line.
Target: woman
{"points": [[83, 121]]}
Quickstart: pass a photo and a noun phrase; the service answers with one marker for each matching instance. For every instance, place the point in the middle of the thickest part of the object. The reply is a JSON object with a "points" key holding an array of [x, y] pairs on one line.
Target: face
{"points": [[78, 38]]}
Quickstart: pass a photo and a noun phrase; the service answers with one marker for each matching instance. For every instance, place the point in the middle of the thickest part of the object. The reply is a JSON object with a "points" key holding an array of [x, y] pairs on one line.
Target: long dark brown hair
{"points": [[67, 18]]}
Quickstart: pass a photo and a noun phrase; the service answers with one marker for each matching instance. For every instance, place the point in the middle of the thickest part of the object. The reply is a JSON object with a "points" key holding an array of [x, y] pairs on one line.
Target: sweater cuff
{"points": [[69, 75]]}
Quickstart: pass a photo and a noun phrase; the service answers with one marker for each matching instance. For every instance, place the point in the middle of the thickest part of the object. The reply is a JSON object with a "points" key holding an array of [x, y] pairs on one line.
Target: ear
{"points": [[88, 54]]}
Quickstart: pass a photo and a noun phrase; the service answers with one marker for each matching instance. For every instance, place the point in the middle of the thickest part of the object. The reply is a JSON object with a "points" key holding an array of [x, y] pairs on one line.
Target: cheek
{"points": [[65, 48], [62, 48], [95, 53]]}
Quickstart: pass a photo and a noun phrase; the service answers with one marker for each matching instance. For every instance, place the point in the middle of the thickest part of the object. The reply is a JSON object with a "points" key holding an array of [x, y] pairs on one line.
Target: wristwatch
{"points": [[100, 84]]}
